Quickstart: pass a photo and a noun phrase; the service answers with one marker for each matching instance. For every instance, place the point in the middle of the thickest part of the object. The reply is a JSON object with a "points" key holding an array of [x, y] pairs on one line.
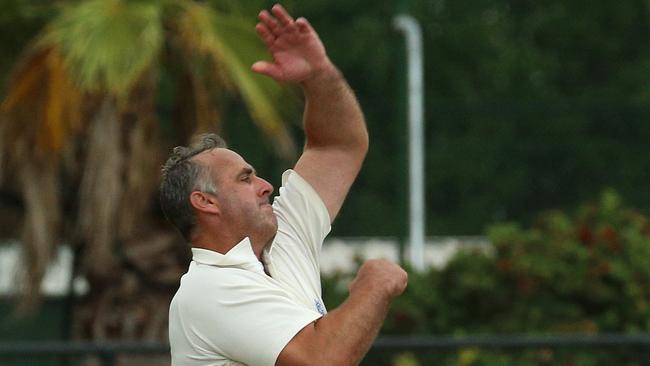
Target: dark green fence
{"points": [[579, 350]]}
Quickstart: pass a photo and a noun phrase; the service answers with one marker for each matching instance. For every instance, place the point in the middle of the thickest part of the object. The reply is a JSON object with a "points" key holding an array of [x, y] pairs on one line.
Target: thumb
{"points": [[268, 69]]}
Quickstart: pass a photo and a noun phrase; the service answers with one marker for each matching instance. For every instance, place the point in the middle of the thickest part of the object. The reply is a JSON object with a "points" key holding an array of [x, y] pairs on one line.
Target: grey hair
{"points": [[181, 176]]}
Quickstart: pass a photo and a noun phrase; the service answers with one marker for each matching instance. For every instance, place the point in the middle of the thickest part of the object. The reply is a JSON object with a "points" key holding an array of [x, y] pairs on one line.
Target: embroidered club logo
{"points": [[320, 307]]}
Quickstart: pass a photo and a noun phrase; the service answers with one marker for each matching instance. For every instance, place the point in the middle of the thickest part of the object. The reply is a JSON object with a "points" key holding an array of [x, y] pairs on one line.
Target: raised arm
{"points": [[335, 130]]}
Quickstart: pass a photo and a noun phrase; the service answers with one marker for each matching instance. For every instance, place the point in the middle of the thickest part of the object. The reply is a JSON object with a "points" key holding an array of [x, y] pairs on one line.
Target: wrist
{"points": [[372, 291], [322, 75]]}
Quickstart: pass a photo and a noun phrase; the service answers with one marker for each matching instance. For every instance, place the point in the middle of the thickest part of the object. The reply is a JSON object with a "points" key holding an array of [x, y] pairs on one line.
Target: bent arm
{"points": [[336, 137], [343, 336]]}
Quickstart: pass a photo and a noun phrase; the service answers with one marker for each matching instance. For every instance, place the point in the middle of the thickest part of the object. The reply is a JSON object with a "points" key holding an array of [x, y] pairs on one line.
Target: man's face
{"points": [[244, 198]]}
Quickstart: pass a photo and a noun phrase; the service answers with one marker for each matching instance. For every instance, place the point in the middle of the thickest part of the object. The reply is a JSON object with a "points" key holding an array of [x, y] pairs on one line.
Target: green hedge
{"points": [[587, 272]]}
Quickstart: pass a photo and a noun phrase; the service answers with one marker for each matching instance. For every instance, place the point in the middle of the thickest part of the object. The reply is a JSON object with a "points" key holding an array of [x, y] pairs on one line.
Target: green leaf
{"points": [[108, 43]]}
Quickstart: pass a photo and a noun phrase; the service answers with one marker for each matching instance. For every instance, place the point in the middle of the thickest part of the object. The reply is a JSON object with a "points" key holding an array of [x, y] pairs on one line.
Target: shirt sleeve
{"points": [[301, 213]]}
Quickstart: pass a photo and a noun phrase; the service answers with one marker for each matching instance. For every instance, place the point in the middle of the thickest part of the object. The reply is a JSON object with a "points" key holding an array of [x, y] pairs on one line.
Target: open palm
{"points": [[298, 53]]}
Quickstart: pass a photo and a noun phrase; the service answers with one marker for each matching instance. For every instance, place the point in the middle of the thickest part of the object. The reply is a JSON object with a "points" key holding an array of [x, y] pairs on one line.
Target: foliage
{"points": [[584, 273], [528, 106]]}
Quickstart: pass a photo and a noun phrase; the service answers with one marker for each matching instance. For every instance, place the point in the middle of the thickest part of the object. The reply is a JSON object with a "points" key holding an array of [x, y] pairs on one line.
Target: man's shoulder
{"points": [[203, 288], [299, 194], [209, 280]]}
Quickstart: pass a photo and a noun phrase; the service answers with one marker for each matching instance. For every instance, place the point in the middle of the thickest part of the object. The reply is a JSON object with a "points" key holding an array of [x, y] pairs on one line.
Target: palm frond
{"points": [[27, 75], [62, 108], [42, 107], [20, 110], [109, 43]]}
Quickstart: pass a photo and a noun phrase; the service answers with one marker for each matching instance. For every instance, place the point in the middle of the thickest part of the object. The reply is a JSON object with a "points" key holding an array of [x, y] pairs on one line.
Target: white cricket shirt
{"points": [[227, 311]]}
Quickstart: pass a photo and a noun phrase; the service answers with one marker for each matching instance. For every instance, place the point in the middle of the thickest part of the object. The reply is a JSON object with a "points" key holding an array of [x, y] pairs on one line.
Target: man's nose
{"points": [[265, 187]]}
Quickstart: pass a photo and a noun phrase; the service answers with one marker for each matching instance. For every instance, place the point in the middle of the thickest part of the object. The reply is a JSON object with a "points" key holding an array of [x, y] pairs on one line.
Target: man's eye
{"points": [[246, 178]]}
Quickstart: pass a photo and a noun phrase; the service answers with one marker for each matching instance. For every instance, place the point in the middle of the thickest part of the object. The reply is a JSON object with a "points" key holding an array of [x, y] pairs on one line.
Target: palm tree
{"points": [[82, 139]]}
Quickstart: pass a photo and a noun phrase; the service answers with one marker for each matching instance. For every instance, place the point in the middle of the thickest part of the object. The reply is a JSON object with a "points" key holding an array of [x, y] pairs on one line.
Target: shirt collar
{"points": [[241, 255]]}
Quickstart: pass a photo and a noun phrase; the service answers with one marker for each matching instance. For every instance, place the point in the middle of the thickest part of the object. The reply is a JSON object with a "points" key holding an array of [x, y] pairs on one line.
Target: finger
{"points": [[282, 15], [265, 34], [303, 25], [271, 24], [268, 69]]}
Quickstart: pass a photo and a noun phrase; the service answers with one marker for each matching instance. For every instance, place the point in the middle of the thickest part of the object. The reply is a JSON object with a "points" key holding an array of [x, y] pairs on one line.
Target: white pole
{"points": [[411, 29]]}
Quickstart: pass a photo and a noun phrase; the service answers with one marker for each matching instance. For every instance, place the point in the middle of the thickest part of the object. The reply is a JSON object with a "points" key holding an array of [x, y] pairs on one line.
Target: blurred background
{"points": [[537, 165]]}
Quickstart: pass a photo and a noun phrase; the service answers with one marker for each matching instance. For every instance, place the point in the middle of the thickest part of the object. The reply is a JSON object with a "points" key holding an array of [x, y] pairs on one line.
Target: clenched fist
{"points": [[380, 277]]}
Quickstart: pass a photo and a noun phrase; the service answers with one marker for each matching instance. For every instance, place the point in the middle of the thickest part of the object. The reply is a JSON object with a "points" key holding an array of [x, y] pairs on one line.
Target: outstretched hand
{"points": [[297, 51]]}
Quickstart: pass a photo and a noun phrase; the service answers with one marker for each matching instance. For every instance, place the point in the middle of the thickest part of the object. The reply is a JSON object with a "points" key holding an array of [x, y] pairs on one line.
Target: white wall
{"points": [[338, 254]]}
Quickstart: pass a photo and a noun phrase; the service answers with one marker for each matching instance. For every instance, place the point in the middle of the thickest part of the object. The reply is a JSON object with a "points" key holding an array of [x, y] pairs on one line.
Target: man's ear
{"points": [[204, 202]]}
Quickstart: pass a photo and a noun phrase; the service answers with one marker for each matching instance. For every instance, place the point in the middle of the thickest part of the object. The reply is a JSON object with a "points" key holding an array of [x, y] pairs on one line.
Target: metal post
{"points": [[411, 29]]}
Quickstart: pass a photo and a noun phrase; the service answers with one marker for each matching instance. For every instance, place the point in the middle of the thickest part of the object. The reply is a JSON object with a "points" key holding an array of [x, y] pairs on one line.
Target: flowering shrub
{"points": [[585, 273]]}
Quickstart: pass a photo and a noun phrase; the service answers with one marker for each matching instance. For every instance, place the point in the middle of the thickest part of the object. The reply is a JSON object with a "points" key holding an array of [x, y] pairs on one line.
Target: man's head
{"points": [[180, 176], [208, 185]]}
